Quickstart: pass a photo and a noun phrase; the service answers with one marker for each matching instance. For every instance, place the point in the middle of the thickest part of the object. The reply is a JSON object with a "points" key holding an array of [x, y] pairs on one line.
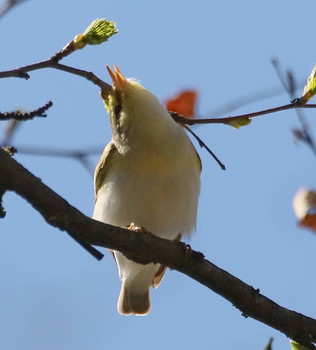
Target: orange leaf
{"points": [[184, 103], [309, 221]]}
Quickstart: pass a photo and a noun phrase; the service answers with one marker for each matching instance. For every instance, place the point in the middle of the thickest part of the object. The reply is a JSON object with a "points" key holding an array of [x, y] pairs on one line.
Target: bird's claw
{"points": [[135, 228]]}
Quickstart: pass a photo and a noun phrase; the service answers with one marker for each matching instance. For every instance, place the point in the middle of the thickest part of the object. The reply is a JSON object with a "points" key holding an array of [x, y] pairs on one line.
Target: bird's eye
{"points": [[117, 110]]}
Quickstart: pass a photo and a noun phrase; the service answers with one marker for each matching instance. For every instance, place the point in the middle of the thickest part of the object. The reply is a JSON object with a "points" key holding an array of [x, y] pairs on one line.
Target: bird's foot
{"points": [[135, 228]]}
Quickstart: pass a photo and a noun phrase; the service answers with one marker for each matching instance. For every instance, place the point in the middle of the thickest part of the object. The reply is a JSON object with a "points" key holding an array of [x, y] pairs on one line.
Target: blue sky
{"points": [[53, 295]]}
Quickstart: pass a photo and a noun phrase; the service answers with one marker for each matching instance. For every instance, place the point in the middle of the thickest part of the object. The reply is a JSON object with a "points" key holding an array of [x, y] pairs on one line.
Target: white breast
{"points": [[157, 191]]}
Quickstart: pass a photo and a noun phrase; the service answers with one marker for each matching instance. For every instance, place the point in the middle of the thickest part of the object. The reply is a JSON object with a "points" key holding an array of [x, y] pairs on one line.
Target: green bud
{"points": [[239, 122], [310, 87], [99, 31], [79, 42]]}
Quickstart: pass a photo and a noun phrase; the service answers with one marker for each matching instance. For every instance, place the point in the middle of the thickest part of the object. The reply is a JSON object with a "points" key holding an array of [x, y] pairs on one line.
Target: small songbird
{"points": [[148, 178]]}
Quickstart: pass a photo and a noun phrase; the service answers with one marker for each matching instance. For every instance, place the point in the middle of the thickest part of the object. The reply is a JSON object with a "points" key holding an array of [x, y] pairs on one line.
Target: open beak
{"points": [[119, 81]]}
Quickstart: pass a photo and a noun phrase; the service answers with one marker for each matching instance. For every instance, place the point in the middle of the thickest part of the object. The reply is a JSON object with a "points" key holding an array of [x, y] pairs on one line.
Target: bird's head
{"points": [[135, 113]]}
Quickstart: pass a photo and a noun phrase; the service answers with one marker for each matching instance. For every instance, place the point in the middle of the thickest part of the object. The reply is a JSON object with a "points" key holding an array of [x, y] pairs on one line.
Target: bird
{"points": [[147, 180]]}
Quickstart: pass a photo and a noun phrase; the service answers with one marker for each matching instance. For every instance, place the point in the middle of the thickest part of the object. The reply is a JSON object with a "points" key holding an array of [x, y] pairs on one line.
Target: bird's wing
{"points": [[197, 159], [103, 166], [162, 269], [159, 276]]}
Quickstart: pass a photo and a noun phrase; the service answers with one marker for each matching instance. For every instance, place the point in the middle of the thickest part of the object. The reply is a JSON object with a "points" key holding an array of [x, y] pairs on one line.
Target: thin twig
{"points": [[22, 72], [79, 155], [289, 83], [202, 144], [53, 62], [9, 132], [23, 116], [244, 100], [286, 83], [64, 153], [8, 5], [228, 120]]}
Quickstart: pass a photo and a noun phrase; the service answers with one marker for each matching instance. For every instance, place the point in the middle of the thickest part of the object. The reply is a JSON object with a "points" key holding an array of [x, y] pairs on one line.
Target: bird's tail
{"points": [[133, 300]]}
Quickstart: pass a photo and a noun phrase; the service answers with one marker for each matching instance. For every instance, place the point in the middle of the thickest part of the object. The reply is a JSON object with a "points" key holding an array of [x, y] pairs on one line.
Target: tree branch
{"points": [[22, 72], [22, 116], [148, 248], [39, 202], [228, 120], [53, 62]]}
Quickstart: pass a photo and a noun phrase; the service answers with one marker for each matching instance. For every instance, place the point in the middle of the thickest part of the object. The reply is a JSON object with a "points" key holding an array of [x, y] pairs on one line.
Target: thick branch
{"points": [[148, 248], [20, 185]]}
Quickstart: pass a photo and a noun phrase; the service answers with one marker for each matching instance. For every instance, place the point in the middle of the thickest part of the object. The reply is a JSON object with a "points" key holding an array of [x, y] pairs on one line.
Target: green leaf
{"points": [[297, 346], [310, 87], [99, 31], [239, 122]]}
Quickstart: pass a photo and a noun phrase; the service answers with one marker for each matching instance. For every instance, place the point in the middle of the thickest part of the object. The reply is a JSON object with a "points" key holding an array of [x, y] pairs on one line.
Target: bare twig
{"points": [[244, 100], [8, 5], [64, 153], [284, 78], [16, 117], [23, 116], [202, 144], [9, 132], [99, 31], [22, 72], [228, 120], [148, 248], [289, 83], [80, 155], [53, 62]]}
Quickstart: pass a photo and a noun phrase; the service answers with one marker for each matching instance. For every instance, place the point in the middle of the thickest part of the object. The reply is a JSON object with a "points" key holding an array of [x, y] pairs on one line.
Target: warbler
{"points": [[148, 177]]}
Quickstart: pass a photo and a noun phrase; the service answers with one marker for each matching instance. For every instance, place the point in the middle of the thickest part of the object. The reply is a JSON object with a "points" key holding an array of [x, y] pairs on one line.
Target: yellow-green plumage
{"points": [[148, 175]]}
